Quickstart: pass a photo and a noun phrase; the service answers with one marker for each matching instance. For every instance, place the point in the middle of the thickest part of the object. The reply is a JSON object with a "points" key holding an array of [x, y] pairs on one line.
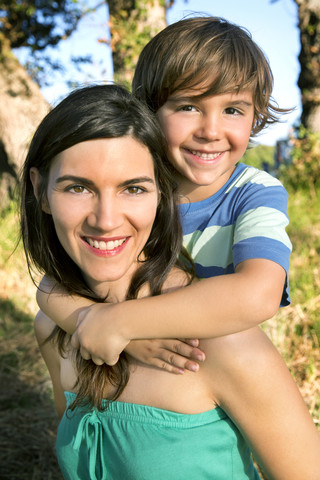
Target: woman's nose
{"points": [[106, 214]]}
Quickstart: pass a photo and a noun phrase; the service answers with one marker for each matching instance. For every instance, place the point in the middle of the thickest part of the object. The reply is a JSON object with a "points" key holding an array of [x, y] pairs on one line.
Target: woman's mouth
{"points": [[101, 245], [105, 246]]}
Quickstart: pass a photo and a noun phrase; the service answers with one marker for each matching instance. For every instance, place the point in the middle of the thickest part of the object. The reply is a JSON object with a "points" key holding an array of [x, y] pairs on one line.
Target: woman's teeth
{"points": [[111, 245]]}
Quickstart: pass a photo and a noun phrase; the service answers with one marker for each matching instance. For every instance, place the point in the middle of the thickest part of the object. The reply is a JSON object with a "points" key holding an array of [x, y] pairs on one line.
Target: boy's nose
{"points": [[209, 128], [106, 214]]}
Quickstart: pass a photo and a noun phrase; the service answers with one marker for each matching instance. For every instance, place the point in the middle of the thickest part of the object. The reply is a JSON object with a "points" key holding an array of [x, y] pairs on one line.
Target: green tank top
{"points": [[137, 442]]}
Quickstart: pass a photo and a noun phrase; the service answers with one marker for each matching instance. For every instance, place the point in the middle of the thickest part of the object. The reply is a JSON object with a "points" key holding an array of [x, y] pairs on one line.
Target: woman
{"points": [[99, 217]]}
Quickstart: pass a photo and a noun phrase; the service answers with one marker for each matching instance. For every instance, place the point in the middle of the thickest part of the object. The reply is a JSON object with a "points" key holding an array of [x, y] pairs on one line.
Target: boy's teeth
{"points": [[112, 244], [205, 156]]}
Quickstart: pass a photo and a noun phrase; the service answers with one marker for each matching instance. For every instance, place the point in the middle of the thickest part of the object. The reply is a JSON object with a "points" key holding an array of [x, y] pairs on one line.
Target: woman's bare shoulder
{"points": [[43, 326], [177, 278]]}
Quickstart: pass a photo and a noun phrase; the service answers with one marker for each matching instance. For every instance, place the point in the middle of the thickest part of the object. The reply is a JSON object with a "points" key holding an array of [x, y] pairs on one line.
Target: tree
{"points": [[34, 24], [132, 24], [309, 58]]}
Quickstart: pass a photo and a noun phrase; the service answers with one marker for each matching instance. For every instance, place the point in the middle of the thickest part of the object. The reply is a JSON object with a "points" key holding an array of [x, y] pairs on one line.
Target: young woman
{"points": [[99, 217]]}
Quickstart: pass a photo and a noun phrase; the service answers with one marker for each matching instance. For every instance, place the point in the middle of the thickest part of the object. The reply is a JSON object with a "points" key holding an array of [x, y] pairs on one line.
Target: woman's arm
{"points": [[251, 382], [43, 327], [210, 308]]}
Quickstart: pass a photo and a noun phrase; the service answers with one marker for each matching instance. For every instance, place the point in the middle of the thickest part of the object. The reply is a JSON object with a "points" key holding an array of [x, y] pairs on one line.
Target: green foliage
{"points": [[304, 171], [29, 422], [35, 25], [259, 155], [304, 231], [131, 29]]}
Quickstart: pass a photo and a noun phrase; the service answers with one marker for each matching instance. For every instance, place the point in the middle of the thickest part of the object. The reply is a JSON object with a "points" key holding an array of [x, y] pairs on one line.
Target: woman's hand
{"points": [[172, 355], [97, 337]]}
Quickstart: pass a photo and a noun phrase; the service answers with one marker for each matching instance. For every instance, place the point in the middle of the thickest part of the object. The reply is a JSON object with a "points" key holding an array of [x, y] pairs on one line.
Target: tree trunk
{"points": [[132, 24], [22, 106], [309, 58]]}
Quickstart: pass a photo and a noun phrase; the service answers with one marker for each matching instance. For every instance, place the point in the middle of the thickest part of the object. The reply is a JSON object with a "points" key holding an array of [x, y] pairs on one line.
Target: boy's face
{"points": [[206, 138]]}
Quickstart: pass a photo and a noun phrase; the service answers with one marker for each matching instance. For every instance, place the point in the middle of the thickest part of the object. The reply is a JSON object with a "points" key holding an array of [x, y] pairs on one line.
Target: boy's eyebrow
{"points": [[191, 99], [181, 98], [241, 102], [74, 178]]}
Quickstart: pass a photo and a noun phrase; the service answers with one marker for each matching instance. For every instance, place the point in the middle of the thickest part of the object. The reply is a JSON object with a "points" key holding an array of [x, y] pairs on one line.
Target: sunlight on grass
{"points": [[295, 330]]}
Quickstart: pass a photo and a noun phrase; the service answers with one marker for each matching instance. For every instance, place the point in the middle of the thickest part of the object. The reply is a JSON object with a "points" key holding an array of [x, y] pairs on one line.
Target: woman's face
{"points": [[102, 195]]}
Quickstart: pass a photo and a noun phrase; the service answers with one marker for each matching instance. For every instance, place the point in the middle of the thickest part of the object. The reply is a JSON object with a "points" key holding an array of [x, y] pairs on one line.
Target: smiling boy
{"points": [[210, 86]]}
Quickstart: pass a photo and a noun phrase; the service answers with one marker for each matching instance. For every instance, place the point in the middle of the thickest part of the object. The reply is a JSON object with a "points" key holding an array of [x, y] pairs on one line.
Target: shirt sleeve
{"points": [[260, 227]]}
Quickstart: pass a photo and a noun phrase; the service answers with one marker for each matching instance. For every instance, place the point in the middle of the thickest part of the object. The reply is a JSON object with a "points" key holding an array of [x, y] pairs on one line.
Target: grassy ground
{"points": [[27, 417]]}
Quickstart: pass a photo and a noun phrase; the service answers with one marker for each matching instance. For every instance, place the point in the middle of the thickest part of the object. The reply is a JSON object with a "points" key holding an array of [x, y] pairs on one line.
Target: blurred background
{"points": [[47, 48]]}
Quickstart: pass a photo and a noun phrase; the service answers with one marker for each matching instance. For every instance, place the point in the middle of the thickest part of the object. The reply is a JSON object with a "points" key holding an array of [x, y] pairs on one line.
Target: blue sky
{"points": [[272, 25]]}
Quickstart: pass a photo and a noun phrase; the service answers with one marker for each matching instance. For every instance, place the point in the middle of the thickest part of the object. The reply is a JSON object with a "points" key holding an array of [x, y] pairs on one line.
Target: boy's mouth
{"points": [[205, 156]]}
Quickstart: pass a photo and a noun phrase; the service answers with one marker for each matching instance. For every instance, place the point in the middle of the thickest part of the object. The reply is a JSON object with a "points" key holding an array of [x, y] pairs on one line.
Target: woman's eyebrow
{"points": [[73, 178], [137, 180]]}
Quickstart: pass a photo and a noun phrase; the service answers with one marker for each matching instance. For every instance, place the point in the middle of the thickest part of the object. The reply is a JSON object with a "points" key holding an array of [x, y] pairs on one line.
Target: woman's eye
{"points": [[77, 189], [135, 190]]}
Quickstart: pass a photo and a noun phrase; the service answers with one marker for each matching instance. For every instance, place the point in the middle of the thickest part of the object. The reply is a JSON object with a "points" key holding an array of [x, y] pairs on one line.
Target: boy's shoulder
{"points": [[245, 175]]}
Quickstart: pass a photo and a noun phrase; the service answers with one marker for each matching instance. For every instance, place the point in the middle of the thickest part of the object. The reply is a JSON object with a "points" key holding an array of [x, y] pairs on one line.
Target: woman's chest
{"points": [[187, 393]]}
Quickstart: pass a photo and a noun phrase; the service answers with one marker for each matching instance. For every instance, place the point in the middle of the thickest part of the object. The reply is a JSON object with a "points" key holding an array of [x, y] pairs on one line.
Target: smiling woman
{"points": [[95, 179], [103, 210], [99, 217]]}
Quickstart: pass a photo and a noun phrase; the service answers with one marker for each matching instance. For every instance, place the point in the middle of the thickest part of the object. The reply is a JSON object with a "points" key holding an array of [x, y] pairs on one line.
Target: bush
{"points": [[304, 171]]}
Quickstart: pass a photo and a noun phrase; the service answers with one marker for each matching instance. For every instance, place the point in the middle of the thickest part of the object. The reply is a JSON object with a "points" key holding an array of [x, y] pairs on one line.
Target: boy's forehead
{"points": [[244, 95]]}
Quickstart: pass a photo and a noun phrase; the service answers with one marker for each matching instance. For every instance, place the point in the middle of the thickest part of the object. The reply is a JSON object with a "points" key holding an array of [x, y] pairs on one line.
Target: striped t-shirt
{"points": [[245, 219]]}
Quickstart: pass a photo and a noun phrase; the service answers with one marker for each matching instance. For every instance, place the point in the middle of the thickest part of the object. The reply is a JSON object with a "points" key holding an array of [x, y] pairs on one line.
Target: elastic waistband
{"points": [[145, 414]]}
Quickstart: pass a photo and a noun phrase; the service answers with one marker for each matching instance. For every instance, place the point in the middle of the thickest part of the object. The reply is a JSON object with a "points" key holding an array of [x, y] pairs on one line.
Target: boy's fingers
{"points": [[85, 354], [193, 342], [75, 340], [97, 360], [170, 361], [186, 350]]}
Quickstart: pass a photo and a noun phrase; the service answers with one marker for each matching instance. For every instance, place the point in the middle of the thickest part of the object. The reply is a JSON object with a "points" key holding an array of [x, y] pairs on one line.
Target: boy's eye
{"points": [[232, 111], [187, 108]]}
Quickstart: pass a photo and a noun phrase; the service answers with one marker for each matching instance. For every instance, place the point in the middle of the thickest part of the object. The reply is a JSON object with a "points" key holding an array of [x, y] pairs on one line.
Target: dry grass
{"points": [[298, 342], [28, 420]]}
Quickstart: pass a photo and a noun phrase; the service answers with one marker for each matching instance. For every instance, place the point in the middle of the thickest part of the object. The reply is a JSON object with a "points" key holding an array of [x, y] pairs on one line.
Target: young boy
{"points": [[210, 86]]}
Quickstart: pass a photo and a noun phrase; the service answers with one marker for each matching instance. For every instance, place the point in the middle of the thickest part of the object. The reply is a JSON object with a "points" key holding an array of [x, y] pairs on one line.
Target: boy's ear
{"points": [[36, 179]]}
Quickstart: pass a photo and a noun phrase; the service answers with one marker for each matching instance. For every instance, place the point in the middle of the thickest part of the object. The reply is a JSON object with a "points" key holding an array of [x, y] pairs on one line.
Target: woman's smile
{"points": [[103, 197], [105, 247]]}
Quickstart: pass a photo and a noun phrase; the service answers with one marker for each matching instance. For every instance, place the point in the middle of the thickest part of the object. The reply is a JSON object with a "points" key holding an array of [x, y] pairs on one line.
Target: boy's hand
{"points": [[96, 338], [171, 355]]}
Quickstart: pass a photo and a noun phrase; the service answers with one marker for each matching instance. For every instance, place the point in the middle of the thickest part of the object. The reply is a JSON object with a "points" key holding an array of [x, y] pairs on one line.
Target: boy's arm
{"points": [[213, 307], [173, 355], [59, 305]]}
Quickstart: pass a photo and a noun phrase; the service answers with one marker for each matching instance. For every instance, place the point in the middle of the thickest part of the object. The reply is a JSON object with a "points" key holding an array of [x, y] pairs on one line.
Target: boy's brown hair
{"points": [[209, 54]]}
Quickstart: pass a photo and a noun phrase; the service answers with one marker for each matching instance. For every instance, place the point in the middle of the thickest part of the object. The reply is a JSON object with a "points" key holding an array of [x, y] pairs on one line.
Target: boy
{"points": [[210, 87]]}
